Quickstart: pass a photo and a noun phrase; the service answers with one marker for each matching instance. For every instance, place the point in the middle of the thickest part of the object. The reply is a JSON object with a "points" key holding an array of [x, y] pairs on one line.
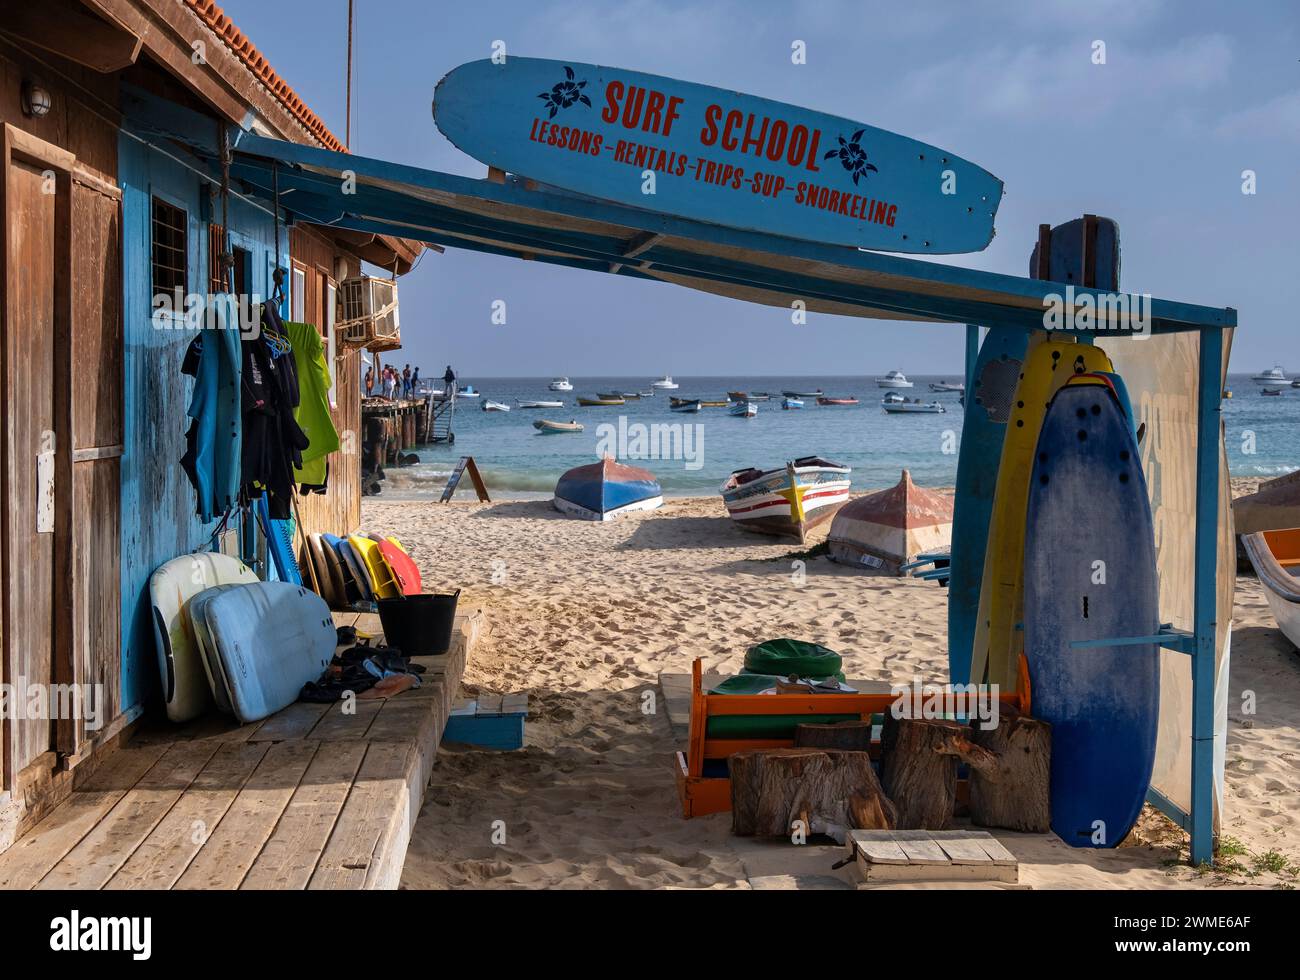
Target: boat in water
{"points": [[836, 401], [803, 394], [789, 403], [1270, 391], [560, 384], [685, 405], [538, 404], [750, 396], [491, 406], [889, 530], [788, 501], [744, 410], [1274, 375], [666, 383], [896, 404], [605, 490], [1276, 557], [468, 391], [592, 402], [546, 427], [893, 379], [941, 386]]}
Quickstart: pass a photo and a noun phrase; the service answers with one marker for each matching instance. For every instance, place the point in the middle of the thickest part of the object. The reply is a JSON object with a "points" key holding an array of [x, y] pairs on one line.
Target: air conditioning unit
{"points": [[368, 313]]}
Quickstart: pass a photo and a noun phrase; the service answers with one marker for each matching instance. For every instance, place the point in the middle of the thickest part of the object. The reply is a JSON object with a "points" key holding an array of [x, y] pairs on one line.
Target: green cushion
{"points": [[765, 726], [784, 657]]}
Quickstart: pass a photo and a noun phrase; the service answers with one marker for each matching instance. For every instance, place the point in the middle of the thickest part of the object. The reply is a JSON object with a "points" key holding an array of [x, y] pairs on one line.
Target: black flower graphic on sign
{"points": [[851, 154], [565, 94]]}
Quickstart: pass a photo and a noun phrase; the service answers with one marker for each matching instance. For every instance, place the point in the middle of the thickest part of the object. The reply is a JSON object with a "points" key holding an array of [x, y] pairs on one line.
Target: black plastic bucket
{"points": [[419, 625]]}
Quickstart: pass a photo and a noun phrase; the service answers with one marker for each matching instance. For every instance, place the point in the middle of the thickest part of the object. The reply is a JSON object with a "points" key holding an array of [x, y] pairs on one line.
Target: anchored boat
{"points": [[894, 379], [685, 405], [538, 404], [590, 402], [491, 406], [789, 403], [1274, 375], [605, 490], [560, 384], [666, 382], [942, 386], [896, 404], [789, 501], [836, 401], [803, 394], [546, 427], [744, 410]]}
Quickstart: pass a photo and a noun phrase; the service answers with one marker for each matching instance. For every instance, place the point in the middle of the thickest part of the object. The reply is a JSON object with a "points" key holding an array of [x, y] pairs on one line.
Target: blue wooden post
{"points": [[972, 352], [1209, 406]]}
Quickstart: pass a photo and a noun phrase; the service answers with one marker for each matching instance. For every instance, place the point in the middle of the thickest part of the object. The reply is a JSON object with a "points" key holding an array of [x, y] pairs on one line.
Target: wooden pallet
{"points": [[932, 855], [310, 797]]}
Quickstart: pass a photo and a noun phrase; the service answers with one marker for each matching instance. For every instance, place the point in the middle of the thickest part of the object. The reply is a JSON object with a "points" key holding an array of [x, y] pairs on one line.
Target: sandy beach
{"points": [[583, 617]]}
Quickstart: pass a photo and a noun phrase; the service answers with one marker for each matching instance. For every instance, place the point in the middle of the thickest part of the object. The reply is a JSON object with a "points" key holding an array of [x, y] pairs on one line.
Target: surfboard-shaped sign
{"points": [[714, 155]]}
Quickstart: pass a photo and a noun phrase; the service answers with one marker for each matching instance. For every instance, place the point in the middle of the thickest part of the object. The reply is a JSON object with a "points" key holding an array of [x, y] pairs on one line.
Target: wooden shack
{"points": [[108, 199]]}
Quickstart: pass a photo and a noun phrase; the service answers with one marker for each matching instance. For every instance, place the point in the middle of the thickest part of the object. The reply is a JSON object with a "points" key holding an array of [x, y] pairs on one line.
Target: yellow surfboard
{"points": [[1049, 364], [381, 576]]}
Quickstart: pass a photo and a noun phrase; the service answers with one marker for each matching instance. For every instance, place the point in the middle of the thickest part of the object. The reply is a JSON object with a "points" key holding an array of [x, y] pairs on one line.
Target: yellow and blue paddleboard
{"points": [[1049, 364]]}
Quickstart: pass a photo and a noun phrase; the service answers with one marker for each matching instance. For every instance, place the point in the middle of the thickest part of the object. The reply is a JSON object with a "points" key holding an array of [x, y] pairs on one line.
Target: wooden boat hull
{"points": [[803, 394], [595, 402], [787, 502], [548, 428], [692, 406], [837, 401], [1103, 702], [605, 490], [1276, 557], [885, 531]]}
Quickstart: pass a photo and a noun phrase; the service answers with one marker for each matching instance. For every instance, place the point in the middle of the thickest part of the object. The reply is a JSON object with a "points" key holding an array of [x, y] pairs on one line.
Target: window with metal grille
{"points": [[170, 247]]}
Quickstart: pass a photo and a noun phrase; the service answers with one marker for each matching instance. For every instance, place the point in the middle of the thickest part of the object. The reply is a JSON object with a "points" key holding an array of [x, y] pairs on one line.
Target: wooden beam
{"points": [[68, 29]]}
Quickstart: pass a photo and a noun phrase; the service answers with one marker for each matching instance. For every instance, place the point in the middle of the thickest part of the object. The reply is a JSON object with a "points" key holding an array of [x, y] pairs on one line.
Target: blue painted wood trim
{"points": [[1170, 809], [1171, 314], [972, 354], [1171, 639], [1209, 407]]}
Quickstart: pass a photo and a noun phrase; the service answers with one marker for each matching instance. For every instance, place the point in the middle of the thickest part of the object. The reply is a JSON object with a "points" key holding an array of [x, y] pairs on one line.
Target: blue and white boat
{"points": [[789, 403], [685, 405], [744, 409], [605, 490]]}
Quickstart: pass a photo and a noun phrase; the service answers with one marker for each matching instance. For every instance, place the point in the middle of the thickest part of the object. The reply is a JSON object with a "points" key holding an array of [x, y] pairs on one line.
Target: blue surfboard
{"points": [[984, 423], [715, 155], [1090, 574]]}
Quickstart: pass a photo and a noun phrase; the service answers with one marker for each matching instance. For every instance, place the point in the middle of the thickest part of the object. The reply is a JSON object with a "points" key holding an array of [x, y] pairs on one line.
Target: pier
{"points": [[391, 427]]}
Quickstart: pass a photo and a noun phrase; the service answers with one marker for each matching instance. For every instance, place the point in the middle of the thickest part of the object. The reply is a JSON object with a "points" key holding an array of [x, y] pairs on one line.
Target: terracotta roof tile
{"points": [[221, 25]]}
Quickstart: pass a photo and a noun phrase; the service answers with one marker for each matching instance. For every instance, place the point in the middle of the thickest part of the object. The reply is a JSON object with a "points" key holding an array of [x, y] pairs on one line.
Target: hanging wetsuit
{"points": [[273, 441], [212, 444]]}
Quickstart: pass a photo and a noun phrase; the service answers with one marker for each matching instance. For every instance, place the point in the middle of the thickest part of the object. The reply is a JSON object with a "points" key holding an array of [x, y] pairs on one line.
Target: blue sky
{"points": [[1192, 93]]}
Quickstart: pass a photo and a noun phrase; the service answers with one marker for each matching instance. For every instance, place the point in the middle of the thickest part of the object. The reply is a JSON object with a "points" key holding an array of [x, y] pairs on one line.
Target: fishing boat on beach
{"points": [[790, 500], [1276, 557], [789, 403], [546, 427], [560, 384], [603, 400], [745, 409], [803, 394], [605, 490], [491, 406], [836, 401], [521, 403], [893, 379], [685, 405], [666, 383], [888, 530]]}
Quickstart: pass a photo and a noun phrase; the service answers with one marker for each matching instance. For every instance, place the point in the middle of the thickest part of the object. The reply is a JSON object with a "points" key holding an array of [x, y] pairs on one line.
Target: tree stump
{"points": [[848, 736], [831, 792], [1010, 772], [917, 773]]}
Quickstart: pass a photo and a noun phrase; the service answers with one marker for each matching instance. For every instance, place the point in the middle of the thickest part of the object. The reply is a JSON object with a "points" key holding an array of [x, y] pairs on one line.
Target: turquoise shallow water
{"points": [[517, 462]]}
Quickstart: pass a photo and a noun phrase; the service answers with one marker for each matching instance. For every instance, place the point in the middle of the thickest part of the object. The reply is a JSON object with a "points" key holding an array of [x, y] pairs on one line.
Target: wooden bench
{"points": [[701, 794]]}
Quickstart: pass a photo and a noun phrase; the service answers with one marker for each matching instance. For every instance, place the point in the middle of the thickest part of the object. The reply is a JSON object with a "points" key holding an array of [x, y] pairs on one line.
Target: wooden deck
{"points": [[308, 798]]}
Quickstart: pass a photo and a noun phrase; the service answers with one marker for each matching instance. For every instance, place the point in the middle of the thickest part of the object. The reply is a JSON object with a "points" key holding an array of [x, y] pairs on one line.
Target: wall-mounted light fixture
{"points": [[35, 100]]}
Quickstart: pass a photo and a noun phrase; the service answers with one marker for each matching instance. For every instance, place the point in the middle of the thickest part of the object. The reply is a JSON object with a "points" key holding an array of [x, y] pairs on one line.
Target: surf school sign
{"points": [[713, 155]]}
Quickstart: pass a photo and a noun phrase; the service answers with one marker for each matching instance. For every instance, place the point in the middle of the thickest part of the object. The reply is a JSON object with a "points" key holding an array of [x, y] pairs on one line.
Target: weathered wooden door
{"points": [[33, 517]]}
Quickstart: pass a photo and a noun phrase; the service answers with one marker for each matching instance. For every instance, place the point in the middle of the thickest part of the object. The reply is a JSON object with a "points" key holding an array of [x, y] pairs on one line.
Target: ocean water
{"points": [[1263, 434]]}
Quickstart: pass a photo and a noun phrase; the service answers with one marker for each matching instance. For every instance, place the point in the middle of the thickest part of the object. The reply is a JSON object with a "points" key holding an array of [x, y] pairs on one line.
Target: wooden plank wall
{"points": [[339, 510]]}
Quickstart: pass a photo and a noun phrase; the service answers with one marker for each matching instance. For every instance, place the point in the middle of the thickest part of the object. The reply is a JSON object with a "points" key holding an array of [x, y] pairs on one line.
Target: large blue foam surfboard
{"points": [[716, 155], [1090, 574], [984, 423]]}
